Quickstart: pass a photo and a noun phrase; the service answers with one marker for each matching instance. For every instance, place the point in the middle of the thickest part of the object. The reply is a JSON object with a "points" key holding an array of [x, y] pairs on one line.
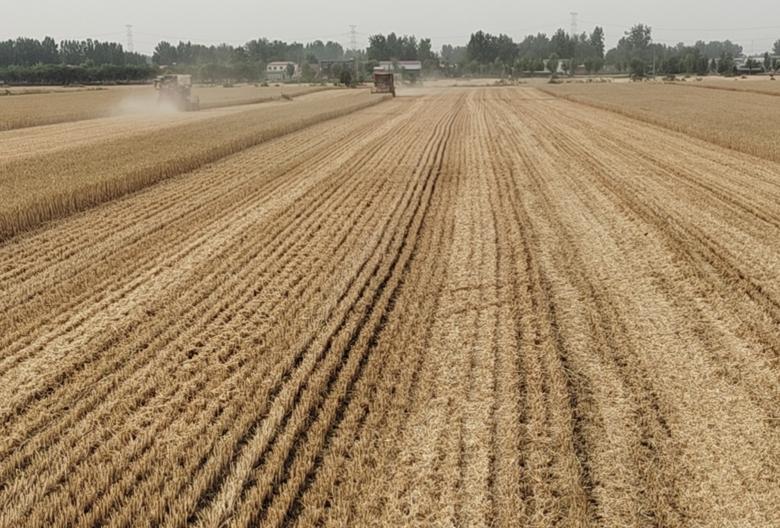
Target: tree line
{"points": [[635, 53], [247, 62], [259, 51], [638, 54], [501, 55], [29, 52], [84, 61], [27, 60]]}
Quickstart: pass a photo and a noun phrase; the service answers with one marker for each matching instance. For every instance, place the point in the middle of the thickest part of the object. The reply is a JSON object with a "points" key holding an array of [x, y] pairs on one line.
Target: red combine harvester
{"points": [[384, 82]]}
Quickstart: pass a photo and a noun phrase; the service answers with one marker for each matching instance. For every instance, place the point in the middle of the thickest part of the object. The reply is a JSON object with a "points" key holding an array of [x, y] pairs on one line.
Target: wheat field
{"points": [[49, 172], [746, 122], [759, 85], [473, 307], [22, 109]]}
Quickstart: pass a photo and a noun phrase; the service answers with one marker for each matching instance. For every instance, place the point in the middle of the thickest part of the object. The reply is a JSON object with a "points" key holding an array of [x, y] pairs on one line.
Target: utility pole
{"points": [[573, 65], [653, 62], [130, 45]]}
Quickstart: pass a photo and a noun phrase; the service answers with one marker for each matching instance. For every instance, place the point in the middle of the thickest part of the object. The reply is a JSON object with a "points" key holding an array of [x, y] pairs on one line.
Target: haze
{"points": [[752, 24]]}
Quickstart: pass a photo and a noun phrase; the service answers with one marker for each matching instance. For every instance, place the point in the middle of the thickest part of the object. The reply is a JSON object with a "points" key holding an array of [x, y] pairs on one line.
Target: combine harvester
{"points": [[384, 82], [176, 90]]}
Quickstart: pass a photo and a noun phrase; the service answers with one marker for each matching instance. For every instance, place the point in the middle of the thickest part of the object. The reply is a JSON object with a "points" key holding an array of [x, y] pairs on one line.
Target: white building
{"points": [[278, 71], [403, 65]]}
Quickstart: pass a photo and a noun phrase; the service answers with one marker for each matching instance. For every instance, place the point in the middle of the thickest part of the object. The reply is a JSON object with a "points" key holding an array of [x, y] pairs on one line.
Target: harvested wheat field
{"points": [[477, 307]]}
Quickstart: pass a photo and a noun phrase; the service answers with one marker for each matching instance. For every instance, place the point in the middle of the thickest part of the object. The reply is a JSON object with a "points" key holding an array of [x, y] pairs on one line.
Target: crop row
{"points": [[477, 307], [37, 189], [742, 121], [50, 107]]}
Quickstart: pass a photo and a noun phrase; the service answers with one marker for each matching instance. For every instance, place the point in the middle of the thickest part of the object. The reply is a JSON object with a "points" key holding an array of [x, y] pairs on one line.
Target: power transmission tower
{"points": [[130, 44], [353, 46], [575, 39], [353, 37]]}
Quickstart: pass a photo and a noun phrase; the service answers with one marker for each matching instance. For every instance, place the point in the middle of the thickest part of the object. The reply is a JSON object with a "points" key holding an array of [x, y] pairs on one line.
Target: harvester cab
{"points": [[177, 91], [384, 82]]}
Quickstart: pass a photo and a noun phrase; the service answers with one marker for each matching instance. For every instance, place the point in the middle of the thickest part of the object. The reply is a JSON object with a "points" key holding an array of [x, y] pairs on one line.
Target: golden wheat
{"points": [[473, 308], [59, 106], [38, 188], [741, 121], [759, 85]]}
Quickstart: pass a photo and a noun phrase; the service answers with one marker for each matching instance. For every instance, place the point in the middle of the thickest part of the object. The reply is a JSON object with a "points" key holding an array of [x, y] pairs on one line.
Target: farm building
{"points": [[409, 70], [278, 71], [401, 66], [750, 65], [331, 69]]}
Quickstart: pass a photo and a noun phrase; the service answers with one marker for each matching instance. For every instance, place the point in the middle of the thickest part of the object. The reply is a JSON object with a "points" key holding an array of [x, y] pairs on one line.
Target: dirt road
{"points": [[484, 307]]}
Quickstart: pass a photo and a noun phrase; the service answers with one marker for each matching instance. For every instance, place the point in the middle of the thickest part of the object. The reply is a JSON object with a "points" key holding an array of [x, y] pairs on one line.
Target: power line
{"points": [[239, 41], [4, 36], [661, 28], [734, 30]]}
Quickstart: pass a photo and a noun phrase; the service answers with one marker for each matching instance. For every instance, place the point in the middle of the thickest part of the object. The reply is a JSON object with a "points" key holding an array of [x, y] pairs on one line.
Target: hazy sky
{"points": [[755, 23]]}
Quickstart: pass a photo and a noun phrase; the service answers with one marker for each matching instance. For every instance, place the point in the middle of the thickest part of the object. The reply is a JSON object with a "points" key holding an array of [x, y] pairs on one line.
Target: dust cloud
{"points": [[143, 104]]}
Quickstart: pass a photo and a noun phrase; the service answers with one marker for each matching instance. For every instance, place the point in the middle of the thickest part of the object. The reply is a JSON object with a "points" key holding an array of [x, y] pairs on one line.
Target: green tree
{"points": [[345, 77], [637, 67], [307, 72], [635, 45], [49, 53], [594, 64], [393, 47], [453, 54], [776, 47], [426, 55], [377, 48], [424, 50], [639, 37], [324, 51], [290, 70], [333, 50], [482, 48], [597, 41], [552, 64], [164, 53], [726, 64], [562, 44], [535, 47], [506, 50]]}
